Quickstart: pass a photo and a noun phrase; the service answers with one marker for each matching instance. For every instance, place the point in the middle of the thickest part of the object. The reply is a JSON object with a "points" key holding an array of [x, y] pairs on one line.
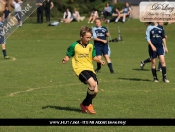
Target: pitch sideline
{"points": [[32, 89]]}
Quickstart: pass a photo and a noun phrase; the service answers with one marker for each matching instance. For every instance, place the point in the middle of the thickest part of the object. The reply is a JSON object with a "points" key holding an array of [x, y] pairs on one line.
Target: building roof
{"points": [[137, 2]]}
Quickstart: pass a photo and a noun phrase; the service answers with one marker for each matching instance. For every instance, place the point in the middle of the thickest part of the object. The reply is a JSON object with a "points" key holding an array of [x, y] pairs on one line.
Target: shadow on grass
{"points": [[138, 69], [62, 108], [135, 79]]}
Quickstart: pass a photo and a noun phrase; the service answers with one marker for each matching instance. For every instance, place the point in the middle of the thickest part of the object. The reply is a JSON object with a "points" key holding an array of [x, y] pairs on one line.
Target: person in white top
{"points": [[93, 16], [66, 16], [75, 17], [17, 7]]}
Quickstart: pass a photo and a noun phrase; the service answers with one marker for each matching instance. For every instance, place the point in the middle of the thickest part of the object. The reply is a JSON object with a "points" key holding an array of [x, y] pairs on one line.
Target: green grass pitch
{"points": [[35, 84]]}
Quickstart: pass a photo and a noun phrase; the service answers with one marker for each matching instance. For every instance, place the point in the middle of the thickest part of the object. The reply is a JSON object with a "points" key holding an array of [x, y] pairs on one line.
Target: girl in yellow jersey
{"points": [[82, 53]]}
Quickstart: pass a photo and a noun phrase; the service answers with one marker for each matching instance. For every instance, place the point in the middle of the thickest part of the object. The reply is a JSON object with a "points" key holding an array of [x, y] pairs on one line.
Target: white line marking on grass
{"points": [[32, 89], [11, 59], [28, 90], [60, 85]]}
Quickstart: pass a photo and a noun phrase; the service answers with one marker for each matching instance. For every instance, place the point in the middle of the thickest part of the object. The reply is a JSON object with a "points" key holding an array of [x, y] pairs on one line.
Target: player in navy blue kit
{"points": [[148, 60], [101, 44], [155, 37], [2, 39]]}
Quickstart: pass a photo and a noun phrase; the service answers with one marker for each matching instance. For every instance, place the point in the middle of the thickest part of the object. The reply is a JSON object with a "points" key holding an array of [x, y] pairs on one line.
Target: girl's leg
{"points": [[153, 66], [162, 61], [108, 60]]}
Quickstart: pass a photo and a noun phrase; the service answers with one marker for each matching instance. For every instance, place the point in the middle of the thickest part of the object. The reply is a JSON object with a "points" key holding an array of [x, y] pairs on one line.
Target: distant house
{"points": [[135, 5], [2, 5]]}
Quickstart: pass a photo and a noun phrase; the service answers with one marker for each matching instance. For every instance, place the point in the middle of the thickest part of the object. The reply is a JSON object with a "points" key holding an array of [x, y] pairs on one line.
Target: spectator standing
{"points": [[40, 9], [17, 7], [48, 6], [6, 16]]}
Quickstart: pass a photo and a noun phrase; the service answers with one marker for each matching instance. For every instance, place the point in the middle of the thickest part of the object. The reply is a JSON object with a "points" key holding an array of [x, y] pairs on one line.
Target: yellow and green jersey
{"points": [[81, 57]]}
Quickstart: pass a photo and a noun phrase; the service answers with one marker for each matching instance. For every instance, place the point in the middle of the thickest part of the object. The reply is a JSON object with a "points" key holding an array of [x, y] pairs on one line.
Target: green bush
{"points": [[119, 5], [82, 6]]}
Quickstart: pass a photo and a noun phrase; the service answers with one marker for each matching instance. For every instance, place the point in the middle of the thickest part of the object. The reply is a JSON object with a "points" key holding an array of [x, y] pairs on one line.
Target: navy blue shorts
{"points": [[101, 49], [2, 39], [155, 54]]}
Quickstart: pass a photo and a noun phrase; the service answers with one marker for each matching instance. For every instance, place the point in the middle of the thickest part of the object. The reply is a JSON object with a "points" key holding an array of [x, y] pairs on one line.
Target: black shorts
{"points": [[85, 75]]}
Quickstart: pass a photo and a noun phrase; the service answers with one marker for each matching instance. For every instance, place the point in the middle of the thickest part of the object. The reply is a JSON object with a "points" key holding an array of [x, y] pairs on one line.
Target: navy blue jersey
{"points": [[99, 32], [126, 10], [155, 34], [6, 13]]}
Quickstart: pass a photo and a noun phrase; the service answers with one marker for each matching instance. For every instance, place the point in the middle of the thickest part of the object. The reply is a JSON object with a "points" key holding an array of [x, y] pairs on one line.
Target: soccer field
{"points": [[35, 83]]}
